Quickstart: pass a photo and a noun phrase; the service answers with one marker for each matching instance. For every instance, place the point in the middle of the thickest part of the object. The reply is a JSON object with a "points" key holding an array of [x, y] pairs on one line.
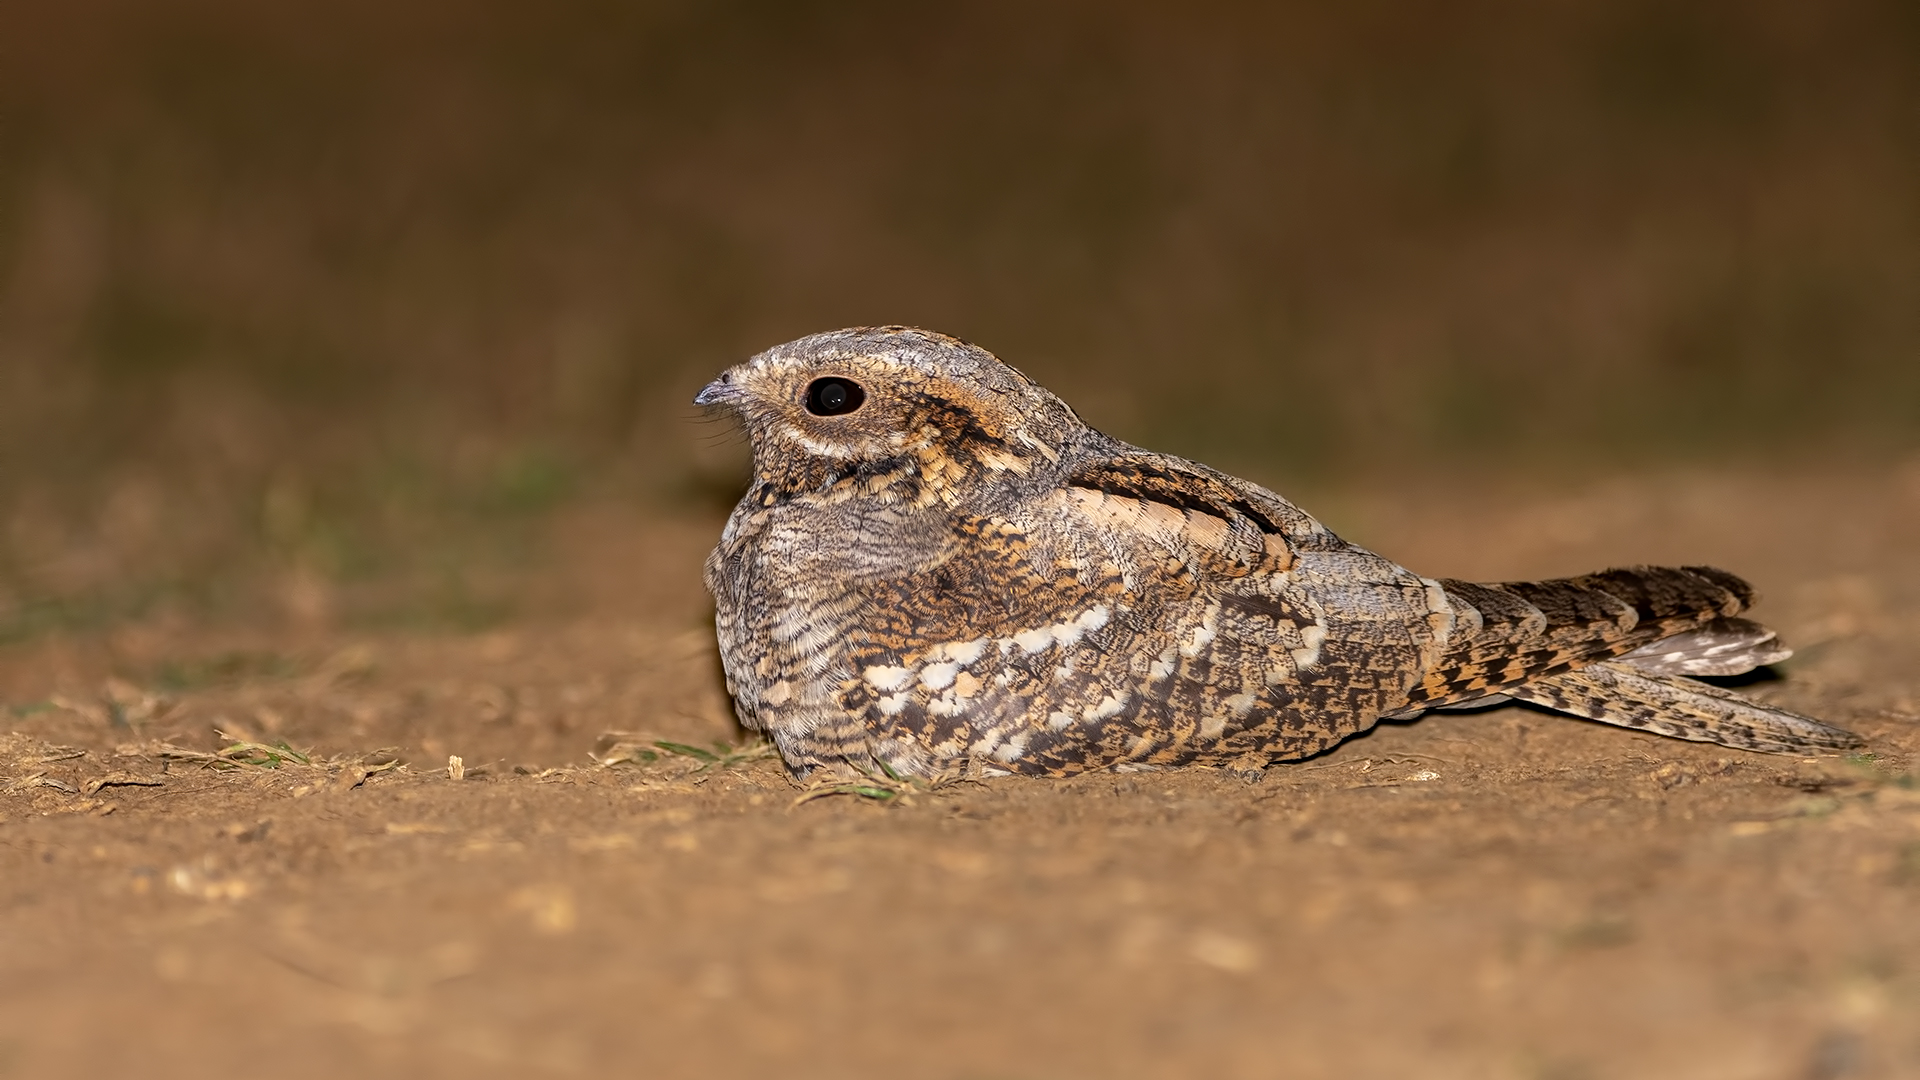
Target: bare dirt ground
{"points": [[1496, 894]]}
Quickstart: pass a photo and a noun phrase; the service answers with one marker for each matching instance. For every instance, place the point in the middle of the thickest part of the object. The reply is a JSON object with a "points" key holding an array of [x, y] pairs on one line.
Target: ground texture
{"points": [[233, 850]]}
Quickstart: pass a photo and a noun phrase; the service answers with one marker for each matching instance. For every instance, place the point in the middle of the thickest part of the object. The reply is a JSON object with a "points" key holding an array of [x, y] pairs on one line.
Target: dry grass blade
{"points": [[264, 755], [236, 754], [889, 787], [727, 757], [618, 748], [170, 752], [704, 757], [21, 783], [122, 779], [43, 780], [356, 773], [865, 791]]}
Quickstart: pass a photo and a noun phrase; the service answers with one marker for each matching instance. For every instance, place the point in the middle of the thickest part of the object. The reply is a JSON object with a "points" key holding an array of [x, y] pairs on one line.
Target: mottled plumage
{"points": [[941, 570]]}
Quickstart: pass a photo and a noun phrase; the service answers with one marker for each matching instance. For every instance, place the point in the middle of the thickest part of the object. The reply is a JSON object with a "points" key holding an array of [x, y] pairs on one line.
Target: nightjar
{"points": [[939, 570]]}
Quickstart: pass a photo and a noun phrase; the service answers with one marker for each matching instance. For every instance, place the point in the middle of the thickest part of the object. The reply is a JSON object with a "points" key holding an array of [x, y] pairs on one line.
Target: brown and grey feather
{"points": [[939, 570]]}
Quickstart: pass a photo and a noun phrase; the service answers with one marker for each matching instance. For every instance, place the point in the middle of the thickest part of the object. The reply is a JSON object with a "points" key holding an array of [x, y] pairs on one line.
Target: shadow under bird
{"points": [[939, 570]]}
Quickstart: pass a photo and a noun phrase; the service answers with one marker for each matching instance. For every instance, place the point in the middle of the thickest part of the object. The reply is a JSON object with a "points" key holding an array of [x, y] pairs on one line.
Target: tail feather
{"points": [[1616, 647], [1628, 696], [1511, 633], [1722, 647]]}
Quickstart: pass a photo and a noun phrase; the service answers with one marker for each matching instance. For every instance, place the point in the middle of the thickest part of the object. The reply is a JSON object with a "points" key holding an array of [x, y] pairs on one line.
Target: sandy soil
{"points": [[1496, 894]]}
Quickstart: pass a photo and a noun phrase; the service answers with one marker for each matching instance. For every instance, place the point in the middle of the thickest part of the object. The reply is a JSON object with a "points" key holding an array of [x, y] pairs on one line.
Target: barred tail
{"points": [[1509, 633], [1619, 693]]}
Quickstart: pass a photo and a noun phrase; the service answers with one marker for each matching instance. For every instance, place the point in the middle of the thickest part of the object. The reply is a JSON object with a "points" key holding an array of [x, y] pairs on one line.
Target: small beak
{"points": [[718, 392]]}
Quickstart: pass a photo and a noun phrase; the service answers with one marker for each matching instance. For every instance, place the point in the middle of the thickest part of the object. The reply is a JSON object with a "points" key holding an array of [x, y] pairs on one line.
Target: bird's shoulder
{"points": [[1218, 522]]}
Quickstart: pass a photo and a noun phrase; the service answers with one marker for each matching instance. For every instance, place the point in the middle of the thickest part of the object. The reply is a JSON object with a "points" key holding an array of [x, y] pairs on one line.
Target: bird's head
{"points": [[890, 401]]}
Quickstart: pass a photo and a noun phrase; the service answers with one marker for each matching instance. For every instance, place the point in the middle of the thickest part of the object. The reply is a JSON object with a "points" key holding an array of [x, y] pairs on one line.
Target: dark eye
{"points": [[833, 397]]}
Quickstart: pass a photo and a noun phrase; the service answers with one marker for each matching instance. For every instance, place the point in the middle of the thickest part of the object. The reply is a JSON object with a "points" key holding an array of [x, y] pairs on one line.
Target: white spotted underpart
{"points": [[1064, 634], [942, 675], [939, 676], [960, 652], [886, 678], [1111, 705], [1203, 633], [1312, 636]]}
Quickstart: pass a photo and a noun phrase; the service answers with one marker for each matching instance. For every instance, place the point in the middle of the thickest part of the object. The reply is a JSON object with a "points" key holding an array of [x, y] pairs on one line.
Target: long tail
{"points": [[1616, 647], [1615, 692], [1514, 632]]}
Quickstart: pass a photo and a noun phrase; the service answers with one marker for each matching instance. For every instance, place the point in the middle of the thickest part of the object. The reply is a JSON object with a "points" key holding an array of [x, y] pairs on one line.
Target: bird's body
{"points": [[940, 570]]}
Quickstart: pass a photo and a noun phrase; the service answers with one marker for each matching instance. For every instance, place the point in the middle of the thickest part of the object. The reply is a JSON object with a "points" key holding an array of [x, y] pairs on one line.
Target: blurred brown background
{"points": [[345, 292]]}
